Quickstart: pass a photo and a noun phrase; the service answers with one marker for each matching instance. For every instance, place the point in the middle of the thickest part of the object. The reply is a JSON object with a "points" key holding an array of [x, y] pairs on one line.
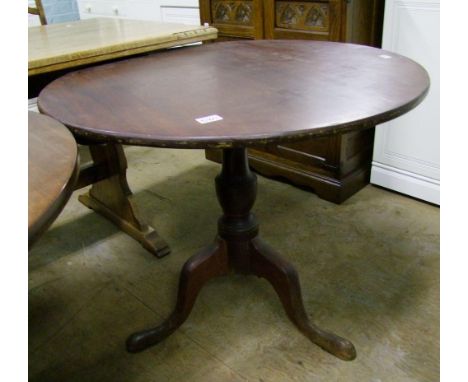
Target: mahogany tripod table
{"points": [[232, 96], [52, 171]]}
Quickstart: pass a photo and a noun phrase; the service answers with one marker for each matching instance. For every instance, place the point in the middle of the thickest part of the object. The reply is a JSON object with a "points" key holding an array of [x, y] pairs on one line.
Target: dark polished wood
{"points": [[210, 262], [357, 21], [266, 92], [111, 197], [239, 248], [62, 48], [52, 171], [234, 19], [335, 166]]}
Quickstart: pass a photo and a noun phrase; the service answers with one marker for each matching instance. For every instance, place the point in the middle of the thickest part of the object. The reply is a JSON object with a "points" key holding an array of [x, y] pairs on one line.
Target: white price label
{"points": [[209, 119]]}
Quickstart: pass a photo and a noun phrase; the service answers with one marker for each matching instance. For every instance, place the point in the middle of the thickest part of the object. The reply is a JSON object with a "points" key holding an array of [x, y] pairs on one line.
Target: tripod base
{"points": [[238, 248]]}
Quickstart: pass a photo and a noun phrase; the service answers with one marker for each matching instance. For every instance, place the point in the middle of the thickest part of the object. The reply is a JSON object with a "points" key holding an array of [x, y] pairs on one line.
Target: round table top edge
{"points": [[86, 135], [40, 225]]}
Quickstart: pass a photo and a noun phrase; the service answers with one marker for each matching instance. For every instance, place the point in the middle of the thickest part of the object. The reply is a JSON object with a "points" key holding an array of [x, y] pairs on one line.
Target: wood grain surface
{"points": [[65, 45], [52, 170], [266, 91]]}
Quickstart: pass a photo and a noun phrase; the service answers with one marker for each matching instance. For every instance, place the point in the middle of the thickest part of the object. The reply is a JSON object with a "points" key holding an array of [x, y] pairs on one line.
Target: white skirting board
{"points": [[406, 182]]}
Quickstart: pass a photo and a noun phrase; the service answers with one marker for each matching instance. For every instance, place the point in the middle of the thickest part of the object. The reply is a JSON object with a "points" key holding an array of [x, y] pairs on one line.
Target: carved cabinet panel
{"points": [[316, 20], [302, 15], [232, 12], [234, 18], [336, 166]]}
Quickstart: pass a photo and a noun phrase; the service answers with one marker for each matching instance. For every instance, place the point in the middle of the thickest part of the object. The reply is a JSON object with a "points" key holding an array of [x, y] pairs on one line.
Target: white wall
{"points": [[176, 11]]}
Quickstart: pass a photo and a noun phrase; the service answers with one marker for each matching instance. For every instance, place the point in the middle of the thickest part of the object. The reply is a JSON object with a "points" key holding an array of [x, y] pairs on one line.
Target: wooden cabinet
{"points": [[316, 20], [336, 166], [357, 21], [234, 19]]}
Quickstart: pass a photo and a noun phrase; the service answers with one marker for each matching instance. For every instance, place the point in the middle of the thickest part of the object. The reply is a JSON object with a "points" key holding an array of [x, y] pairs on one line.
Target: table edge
{"points": [[86, 135], [38, 227]]}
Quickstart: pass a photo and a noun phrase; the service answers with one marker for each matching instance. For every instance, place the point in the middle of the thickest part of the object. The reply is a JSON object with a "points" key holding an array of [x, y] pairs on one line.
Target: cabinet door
{"points": [[305, 19], [234, 18], [406, 150]]}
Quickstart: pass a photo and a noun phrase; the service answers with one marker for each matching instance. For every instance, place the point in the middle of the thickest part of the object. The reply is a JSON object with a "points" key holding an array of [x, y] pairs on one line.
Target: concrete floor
{"points": [[369, 271]]}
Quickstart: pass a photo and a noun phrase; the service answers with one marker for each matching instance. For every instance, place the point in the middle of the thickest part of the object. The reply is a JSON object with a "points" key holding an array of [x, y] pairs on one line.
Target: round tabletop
{"points": [[52, 171], [236, 94]]}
